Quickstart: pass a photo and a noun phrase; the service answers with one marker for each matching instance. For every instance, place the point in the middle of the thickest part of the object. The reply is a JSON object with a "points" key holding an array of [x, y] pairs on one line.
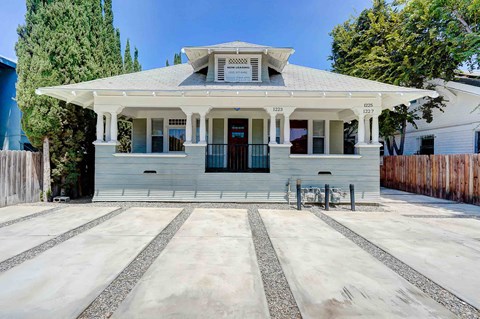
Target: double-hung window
{"points": [[318, 137], [157, 135]]}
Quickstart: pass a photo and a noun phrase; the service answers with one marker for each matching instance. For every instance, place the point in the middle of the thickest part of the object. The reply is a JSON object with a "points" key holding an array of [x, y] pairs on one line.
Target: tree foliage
{"points": [[177, 58], [408, 43], [64, 42], [127, 59]]}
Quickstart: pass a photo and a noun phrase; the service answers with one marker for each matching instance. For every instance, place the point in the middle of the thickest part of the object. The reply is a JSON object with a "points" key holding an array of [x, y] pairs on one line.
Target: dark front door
{"points": [[238, 144]]}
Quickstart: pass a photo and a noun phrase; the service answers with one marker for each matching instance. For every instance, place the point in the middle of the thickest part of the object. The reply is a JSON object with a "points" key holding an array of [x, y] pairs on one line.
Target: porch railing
{"points": [[253, 158]]}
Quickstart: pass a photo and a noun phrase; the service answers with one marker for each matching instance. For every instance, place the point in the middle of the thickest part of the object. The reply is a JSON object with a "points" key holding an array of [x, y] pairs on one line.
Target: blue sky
{"points": [[161, 29]]}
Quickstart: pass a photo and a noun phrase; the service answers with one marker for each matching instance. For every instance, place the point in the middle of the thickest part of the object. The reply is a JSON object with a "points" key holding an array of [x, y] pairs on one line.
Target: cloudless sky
{"points": [[160, 28]]}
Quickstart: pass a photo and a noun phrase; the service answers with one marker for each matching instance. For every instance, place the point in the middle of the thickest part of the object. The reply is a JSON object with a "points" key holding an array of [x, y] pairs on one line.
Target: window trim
{"points": [[324, 137], [248, 56]]}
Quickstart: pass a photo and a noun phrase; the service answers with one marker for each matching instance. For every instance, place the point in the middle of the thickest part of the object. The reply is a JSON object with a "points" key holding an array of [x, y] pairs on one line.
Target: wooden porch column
{"points": [[361, 129], [108, 133], [367, 129], [375, 129], [273, 128], [286, 129], [203, 127], [287, 111], [188, 128], [99, 127], [113, 127]]}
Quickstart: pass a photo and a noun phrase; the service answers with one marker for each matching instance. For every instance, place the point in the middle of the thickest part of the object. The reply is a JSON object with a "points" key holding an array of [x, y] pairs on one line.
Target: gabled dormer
{"points": [[238, 62]]}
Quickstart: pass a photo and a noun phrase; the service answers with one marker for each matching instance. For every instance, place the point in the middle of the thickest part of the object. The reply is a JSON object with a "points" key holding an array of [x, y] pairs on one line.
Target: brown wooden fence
{"points": [[20, 176], [455, 177]]}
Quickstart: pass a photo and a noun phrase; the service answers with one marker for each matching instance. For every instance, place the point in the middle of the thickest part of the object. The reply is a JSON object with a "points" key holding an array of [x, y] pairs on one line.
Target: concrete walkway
{"points": [[331, 277], [208, 270], [63, 281], [446, 250], [204, 264], [13, 212], [19, 237]]}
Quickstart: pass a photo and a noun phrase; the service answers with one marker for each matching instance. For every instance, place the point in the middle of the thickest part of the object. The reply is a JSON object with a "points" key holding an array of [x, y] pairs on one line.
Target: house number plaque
{"points": [[368, 108]]}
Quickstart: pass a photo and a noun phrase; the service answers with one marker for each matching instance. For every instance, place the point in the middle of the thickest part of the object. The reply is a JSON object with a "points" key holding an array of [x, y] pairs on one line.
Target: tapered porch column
{"points": [[188, 128], [367, 129], [287, 111], [113, 127], [273, 128], [375, 129], [286, 129], [361, 129], [108, 133], [203, 128], [99, 127]]}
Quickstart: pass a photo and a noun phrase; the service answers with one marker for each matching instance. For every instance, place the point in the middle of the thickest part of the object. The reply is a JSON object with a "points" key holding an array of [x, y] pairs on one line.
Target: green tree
{"points": [[136, 64], [398, 44], [167, 63], [177, 58], [127, 59], [64, 42]]}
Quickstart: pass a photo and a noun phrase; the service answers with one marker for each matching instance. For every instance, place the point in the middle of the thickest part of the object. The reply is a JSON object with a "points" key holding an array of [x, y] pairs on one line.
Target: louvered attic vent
{"points": [[235, 68]]}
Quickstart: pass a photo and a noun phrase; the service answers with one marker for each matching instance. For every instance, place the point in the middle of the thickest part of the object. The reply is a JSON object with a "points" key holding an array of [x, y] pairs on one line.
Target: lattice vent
{"points": [[237, 61], [180, 122]]}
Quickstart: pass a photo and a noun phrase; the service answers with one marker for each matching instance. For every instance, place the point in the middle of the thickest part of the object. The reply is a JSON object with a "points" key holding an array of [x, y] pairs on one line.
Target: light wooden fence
{"points": [[20, 176], [455, 177]]}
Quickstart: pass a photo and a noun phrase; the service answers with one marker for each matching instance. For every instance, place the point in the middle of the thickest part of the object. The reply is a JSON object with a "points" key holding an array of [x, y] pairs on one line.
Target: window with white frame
{"points": [[318, 137], [238, 68], [157, 135], [176, 135]]}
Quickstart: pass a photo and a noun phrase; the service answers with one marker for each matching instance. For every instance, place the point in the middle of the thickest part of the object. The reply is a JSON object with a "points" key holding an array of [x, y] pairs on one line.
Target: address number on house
{"points": [[368, 108], [278, 109]]}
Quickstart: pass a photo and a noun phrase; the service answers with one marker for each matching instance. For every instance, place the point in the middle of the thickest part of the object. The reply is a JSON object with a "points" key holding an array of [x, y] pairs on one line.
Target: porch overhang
{"points": [[239, 98]]}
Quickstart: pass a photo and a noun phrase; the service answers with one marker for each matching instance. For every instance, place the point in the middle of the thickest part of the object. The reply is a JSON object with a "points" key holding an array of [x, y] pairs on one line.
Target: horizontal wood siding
{"points": [[123, 178], [454, 177], [21, 177]]}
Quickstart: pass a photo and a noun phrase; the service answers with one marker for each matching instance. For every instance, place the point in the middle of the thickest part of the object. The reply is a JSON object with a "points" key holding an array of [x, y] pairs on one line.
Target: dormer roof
{"points": [[276, 57]]}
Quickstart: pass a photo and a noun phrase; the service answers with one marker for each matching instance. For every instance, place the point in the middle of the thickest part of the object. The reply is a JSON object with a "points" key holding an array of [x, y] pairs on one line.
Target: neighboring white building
{"points": [[237, 123], [456, 130]]}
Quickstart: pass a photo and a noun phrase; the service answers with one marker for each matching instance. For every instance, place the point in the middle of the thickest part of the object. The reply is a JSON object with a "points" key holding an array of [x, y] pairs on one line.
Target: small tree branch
{"points": [[462, 21]]}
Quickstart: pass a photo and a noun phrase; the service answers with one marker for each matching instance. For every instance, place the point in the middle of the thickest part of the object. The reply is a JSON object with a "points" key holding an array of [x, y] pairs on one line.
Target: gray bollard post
{"points": [[352, 197], [327, 197], [299, 194]]}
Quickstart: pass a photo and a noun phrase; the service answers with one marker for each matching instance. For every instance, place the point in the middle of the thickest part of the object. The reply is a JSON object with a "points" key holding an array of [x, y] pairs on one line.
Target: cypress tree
{"points": [[127, 59], [136, 64], [64, 42], [167, 63], [177, 59]]}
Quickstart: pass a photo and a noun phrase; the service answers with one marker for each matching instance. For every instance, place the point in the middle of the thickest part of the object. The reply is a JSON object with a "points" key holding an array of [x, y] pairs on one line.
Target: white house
{"points": [[456, 128], [237, 123]]}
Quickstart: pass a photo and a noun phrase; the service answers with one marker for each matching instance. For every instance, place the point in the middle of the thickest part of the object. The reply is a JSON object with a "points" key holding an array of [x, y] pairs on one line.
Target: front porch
{"points": [[224, 155]]}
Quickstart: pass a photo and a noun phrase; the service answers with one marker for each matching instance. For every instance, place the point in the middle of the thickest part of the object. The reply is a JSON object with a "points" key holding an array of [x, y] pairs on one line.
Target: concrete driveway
{"points": [[233, 261]]}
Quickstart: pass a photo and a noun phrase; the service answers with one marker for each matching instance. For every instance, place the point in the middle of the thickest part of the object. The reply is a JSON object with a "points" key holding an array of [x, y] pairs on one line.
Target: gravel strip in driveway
{"points": [[435, 291], [111, 297], [21, 219], [37, 250], [442, 216], [281, 302]]}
